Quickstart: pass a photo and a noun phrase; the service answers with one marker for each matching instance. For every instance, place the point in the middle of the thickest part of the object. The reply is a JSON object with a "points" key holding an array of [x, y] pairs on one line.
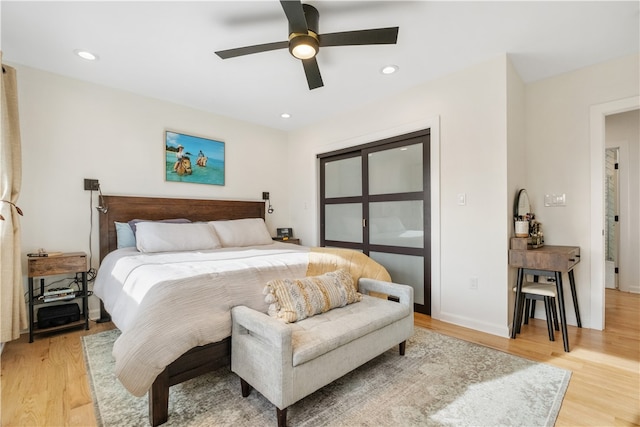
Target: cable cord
{"points": [[90, 230]]}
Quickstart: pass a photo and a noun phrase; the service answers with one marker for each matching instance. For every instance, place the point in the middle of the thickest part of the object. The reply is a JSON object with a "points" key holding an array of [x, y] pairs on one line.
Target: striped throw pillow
{"points": [[296, 299]]}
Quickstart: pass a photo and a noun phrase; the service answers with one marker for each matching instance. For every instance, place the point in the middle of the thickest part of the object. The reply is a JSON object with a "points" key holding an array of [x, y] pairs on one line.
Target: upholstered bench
{"points": [[288, 361]]}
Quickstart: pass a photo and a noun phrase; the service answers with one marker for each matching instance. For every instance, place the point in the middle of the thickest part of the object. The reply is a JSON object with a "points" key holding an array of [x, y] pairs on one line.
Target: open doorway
{"points": [[622, 199], [599, 114]]}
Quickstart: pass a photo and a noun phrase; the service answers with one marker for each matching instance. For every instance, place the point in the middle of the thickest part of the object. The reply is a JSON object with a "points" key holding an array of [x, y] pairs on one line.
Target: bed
{"points": [[136, 286]]}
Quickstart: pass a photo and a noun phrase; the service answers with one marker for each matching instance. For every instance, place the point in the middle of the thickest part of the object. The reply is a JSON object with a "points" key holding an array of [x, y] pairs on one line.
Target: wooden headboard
{"points": [[126, 208]]}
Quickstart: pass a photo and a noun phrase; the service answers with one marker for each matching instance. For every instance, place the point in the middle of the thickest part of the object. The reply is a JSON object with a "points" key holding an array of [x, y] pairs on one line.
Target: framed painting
{"points": [[193, 159]]}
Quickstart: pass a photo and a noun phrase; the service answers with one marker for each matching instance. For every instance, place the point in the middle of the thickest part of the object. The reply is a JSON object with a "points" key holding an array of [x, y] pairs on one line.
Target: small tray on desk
{"points": [[522, 243]]}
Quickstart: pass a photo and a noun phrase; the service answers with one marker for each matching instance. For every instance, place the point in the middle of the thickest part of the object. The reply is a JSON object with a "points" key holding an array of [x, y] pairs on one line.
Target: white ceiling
{"points": [[165, 49]]}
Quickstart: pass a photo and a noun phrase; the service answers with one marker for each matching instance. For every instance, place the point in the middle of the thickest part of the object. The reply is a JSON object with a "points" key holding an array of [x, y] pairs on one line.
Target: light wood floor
{"points": [[45, 383], [605, 383]]}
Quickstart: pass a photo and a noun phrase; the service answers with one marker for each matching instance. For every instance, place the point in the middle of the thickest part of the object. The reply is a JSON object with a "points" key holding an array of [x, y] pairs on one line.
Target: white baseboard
{"points": [[94, 313], [489, 328]]}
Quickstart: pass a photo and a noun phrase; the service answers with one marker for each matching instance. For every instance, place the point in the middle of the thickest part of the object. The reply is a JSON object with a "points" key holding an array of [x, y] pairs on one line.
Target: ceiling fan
{"points": [[305, 39]]}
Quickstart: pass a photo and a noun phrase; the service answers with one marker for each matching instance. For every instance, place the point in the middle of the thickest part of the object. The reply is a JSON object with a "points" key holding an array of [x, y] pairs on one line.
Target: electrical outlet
{"points": [[91, 184], [265, 195], [473, 283]]}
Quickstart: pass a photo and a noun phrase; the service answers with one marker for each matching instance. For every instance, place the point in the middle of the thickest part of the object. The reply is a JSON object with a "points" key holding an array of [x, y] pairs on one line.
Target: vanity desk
{"points": [[547, 261]]}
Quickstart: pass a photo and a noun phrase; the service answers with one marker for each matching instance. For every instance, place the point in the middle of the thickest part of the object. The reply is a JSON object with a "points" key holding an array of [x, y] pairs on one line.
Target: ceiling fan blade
{"points": [[248, 50], [312, 71], [295, 16], [352, 38]]}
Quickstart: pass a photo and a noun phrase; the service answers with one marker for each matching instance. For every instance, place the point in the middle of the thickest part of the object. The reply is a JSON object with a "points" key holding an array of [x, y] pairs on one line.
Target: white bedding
{"points": [[167, 303]]}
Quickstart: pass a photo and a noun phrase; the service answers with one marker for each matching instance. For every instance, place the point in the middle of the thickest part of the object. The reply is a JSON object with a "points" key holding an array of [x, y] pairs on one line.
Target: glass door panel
{"points": [[406, 270], [343, 178], [397, 223], [343, 222], [396, 170]]}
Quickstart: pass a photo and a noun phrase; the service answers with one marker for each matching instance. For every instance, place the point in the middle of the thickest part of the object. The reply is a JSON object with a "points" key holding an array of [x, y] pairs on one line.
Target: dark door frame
{"points": [[422, 136]]}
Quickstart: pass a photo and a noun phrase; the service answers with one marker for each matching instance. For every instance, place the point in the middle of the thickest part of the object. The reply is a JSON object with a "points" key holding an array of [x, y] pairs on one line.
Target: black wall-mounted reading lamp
{"points": [[265, 196], [94, 185], [102, 207]]}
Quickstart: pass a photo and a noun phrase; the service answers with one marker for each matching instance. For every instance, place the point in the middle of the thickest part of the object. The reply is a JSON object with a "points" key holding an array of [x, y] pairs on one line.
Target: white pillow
{"points": [[242, 232], [171, 237]]}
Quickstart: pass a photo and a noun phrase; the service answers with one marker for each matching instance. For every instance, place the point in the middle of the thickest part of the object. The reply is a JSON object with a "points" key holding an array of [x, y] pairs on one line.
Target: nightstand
{"points": [[66, 263], [290, 240]]}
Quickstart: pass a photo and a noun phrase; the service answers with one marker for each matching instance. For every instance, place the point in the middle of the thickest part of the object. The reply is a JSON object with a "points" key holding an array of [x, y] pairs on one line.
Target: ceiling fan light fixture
{"points": [[303, 46]]}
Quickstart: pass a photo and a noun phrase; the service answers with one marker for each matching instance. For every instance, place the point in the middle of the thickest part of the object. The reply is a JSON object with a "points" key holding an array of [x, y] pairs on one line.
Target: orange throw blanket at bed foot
{"points": [[324, 260]]}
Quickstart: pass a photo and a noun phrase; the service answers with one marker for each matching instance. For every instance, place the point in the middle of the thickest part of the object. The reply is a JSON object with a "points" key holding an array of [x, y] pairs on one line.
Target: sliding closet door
{"points": [[375, 198], [397, 202], [342, 224]]}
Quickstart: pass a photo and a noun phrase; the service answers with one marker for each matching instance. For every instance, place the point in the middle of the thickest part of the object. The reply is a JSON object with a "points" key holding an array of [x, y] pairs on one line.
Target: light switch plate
{"points": [[462, 199], [555, 200]]}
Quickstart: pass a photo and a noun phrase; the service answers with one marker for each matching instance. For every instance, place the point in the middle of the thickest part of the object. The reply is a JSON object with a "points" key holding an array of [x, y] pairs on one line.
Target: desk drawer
{"points": [[573, 258], [551, 258]]}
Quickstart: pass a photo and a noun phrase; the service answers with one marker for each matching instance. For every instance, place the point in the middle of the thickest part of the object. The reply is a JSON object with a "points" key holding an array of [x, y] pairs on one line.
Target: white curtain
{"points": [[13, 317]]}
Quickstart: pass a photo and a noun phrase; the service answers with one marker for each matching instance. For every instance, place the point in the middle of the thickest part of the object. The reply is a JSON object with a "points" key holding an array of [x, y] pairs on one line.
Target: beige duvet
{"points": [[167, 303]]}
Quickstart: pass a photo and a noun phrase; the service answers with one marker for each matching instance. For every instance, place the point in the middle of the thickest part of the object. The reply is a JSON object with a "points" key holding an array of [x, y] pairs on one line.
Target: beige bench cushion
{"points": [[315, 336]]}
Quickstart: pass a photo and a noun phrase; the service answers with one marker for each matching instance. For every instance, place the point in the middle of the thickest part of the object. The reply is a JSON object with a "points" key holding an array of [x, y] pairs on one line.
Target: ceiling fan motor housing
{"points": [[312, 16], [310, 38]]}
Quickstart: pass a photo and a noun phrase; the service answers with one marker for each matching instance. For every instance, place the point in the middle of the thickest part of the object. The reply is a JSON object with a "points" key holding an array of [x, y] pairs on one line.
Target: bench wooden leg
{"points": [[282, 417], [403, 345], [246, 388]]}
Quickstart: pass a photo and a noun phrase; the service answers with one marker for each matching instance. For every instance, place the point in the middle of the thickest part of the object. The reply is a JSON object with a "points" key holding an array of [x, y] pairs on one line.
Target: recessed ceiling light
{"points": [[389, 69], [85, 54], [285, 115]]}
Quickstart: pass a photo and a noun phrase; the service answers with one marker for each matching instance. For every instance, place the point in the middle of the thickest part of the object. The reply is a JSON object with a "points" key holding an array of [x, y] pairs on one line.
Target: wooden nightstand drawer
{"points": [[71, 262]]}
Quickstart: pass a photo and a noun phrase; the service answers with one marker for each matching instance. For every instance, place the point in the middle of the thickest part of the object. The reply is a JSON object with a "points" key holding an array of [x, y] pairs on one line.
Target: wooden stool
{"points": [[532, 291]]}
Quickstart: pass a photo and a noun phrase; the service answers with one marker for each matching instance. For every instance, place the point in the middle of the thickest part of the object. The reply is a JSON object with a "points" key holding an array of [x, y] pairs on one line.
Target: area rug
{"points": [[441, 381]]}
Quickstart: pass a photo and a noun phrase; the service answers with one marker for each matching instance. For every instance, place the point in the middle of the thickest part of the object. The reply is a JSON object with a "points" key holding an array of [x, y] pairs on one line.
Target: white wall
{"points": [[471, 106], [516, 161], [481, 130], [623, 131], [73, 130], [558, 159]]}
